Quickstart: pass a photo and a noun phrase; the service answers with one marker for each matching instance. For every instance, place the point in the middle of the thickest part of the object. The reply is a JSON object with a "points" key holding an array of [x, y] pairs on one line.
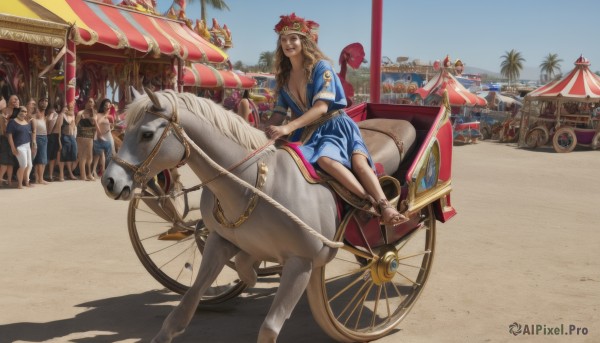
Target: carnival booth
{"points": [[564, 112], [466, 129], [500, 110], [32, 41], [123, 45]]}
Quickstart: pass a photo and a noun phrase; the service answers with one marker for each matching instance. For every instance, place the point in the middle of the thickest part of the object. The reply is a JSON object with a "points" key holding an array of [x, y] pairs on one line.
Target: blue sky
{"points": [[477, 32]]}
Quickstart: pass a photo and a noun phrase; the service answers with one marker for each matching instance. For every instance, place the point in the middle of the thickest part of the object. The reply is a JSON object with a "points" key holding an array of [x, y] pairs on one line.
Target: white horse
{"points": [[267, 234], [292, 222]]}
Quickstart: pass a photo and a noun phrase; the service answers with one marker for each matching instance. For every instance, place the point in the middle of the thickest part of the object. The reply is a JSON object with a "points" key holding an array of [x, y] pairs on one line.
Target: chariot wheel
{"points": [[168, 236], [564, 139], [536, 137], [173, 259], [363, 294], [595, 141]]}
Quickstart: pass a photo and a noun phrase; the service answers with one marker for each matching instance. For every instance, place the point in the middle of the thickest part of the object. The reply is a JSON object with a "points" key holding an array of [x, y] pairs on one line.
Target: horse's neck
{"points": [[215, 144], [214, 147]]}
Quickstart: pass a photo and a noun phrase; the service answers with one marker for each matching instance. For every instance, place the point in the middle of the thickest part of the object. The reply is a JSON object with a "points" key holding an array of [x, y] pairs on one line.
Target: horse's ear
{"points": [[153, 97], [134, 93]]}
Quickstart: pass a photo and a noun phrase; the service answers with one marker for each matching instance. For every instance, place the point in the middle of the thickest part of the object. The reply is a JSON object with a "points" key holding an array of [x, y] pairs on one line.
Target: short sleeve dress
{"points": [[335, 135]]}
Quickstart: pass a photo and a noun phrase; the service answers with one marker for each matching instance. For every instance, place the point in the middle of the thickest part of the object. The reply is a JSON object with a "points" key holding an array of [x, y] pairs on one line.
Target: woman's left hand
{"points": [[275, 132]]}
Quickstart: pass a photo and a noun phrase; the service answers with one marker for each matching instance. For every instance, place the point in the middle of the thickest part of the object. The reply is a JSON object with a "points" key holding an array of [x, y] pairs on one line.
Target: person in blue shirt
{"points": [[308, 87]]}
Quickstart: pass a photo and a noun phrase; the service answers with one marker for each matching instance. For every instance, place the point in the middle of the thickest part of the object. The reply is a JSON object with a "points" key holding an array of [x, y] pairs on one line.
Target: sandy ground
{"points": [[523, 248]]}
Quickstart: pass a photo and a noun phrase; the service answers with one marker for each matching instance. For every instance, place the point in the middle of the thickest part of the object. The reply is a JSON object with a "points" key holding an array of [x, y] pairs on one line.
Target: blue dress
{"points": [[335, 135]]}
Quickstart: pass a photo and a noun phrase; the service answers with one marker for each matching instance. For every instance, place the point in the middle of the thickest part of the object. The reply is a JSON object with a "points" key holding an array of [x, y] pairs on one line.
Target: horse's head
{"points": [[153, 142]]}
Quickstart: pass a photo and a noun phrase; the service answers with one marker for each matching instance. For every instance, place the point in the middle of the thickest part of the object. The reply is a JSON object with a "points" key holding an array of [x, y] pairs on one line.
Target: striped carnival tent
{"points": [[117, 27], [581, 84], [205, 76], [457, 93]]}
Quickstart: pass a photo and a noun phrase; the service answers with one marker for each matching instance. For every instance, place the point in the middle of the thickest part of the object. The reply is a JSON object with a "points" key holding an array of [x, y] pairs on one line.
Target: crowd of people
{"points": [[40, 143]]}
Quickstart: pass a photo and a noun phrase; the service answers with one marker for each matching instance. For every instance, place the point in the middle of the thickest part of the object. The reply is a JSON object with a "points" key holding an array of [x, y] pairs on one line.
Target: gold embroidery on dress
{"points": [[326, 95], [327, 78]]}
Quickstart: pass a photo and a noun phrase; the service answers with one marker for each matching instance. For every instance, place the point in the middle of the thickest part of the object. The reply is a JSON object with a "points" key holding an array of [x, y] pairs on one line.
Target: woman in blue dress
{"points": [[308, 86]]}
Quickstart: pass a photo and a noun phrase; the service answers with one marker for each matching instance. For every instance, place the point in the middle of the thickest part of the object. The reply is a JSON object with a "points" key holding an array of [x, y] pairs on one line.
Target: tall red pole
{"points": [[70, 77], [376, 29]]}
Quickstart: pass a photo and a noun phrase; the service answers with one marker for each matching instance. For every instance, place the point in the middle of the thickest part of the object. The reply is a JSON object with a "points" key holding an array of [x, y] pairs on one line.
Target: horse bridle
{"points": [[140, 171]]}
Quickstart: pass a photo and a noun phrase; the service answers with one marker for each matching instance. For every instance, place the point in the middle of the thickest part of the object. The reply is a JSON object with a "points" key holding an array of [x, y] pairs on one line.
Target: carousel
{"points": [[462, 101], [564, 112]]}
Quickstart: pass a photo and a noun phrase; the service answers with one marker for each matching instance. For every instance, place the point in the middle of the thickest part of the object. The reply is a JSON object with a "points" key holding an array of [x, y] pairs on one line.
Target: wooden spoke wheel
{"points": [[363, 294], [169, 247], [168, 236], [536, 137], [564, 139]]}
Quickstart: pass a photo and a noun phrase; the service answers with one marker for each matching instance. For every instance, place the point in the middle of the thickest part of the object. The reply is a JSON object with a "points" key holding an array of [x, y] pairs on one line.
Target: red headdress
{"points": [[294, 24]]}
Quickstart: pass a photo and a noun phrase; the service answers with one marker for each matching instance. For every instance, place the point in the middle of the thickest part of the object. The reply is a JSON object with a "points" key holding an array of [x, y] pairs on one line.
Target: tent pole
{"points": [[70, 77]]}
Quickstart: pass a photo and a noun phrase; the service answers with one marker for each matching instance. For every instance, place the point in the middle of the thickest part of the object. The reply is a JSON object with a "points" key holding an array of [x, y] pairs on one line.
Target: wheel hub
{"points": [[385, 268]]}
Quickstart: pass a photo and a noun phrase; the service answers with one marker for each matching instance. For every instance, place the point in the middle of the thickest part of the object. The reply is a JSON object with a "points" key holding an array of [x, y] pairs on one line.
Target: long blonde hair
{"points": [[283, 66]]}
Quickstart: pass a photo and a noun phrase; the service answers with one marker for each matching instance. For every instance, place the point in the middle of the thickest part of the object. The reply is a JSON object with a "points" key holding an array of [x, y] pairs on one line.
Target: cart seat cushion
{"points": [[389, 141]]}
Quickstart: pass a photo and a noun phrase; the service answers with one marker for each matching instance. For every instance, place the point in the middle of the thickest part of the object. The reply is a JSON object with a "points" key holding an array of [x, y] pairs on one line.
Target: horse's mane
{"points": [[228, 123]]}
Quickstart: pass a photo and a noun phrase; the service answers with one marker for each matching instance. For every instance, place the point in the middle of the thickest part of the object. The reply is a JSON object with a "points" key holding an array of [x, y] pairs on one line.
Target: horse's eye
{"points": [[147, 135]]}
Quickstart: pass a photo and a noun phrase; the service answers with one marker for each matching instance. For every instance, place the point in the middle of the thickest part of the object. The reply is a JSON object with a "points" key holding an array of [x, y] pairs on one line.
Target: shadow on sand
{"points": [[138, 317]]}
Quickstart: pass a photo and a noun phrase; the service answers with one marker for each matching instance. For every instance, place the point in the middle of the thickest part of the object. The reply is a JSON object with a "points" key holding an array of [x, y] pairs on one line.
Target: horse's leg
{"points": [[245, 266], [217, 251], [294, 279]]}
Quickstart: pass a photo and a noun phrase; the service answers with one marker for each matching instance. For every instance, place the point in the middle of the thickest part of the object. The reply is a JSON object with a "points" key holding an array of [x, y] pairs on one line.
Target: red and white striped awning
{"points": [[457, 93], [120, 28], [580, 84], [204, 76]]}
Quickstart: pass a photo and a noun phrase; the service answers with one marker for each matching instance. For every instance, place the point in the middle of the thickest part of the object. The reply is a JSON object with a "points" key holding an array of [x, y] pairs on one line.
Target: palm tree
{"points": [[511, 65], [550, 66], [265, 60], [216, 4], [239, 65]]}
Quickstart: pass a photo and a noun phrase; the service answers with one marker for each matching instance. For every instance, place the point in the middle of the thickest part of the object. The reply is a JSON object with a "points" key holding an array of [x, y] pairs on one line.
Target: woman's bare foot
{"points": [[389, 215]]}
